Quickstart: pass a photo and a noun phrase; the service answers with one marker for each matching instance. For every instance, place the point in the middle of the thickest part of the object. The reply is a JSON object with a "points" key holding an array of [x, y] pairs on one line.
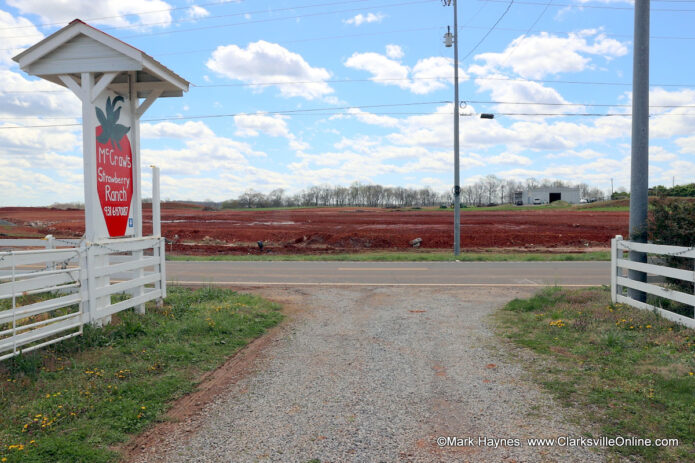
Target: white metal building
{"points": [[547, 195]]}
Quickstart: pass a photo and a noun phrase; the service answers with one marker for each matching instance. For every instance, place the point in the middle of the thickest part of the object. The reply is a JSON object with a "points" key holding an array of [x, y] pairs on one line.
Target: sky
{"points": [[295, 93]]}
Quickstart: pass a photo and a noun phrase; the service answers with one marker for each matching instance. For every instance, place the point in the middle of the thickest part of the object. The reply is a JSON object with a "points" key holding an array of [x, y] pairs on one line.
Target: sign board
{"points": [[116, 83], [114, 164]]}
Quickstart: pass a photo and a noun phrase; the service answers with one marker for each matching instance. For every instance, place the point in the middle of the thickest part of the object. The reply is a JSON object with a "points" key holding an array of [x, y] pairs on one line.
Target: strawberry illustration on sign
{"points": [[114, 167]]}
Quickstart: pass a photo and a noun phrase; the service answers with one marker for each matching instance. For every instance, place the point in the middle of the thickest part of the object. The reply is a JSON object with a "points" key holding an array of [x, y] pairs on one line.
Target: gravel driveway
{"points": [[362, 374]]}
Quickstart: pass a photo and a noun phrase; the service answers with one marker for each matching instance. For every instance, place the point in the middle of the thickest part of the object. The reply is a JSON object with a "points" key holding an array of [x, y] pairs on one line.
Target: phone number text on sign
{"points": [[116, 211]]}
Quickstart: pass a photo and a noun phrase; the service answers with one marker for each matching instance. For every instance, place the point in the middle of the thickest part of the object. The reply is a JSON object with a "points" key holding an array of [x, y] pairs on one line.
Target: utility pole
{"points": [[448, 39], [611, 187], [639, 179]]}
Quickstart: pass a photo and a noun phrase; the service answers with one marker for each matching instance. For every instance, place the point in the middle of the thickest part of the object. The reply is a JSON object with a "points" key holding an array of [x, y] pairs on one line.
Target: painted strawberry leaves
{"points": [[111, 129]]}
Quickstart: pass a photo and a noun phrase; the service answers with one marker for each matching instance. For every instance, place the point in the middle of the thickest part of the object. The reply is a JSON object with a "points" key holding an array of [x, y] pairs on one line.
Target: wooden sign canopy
{"points": [[111, 78]]}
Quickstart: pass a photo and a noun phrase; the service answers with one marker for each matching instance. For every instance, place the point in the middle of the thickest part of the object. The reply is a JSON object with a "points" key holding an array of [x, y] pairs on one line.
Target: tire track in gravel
{"points": [[359, 374]]}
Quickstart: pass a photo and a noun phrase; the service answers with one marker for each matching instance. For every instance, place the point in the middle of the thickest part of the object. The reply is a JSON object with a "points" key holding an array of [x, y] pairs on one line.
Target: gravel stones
{"points": [[368, 374]]}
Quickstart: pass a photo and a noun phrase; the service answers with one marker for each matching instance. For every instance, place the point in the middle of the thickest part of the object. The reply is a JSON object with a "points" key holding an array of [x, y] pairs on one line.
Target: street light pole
{"points": [[448, 39]]}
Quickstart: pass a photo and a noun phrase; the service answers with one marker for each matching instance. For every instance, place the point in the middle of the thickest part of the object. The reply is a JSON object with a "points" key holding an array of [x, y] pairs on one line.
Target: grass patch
{"points": [[634, 370], [412, 256], [73, 401]]}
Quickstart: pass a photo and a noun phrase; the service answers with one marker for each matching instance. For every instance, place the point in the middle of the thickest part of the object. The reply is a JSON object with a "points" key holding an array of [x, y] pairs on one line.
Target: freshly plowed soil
{"points": [[332, 230]]}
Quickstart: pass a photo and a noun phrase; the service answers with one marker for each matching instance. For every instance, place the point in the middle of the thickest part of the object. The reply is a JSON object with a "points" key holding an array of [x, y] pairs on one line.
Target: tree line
{"points": [[486, 191], [683, 191]]}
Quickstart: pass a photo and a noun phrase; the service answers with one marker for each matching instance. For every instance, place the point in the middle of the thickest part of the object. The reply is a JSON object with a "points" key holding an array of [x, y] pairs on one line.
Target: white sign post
{"points": [[111, 78]]}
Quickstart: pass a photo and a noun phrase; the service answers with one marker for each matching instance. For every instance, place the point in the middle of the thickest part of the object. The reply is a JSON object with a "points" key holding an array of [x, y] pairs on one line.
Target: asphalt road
{"points": [[495, 274]]}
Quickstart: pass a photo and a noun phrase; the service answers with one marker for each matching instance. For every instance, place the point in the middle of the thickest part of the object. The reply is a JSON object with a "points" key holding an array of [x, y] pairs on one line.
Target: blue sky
{"points": [[249, 61]]}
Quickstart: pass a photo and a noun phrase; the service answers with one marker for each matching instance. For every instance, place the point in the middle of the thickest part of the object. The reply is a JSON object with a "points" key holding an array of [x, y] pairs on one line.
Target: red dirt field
{"points": [[334, 230]]}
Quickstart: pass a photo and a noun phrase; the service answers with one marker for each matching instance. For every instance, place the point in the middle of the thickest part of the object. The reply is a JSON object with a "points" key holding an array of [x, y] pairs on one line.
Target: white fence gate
{"points": [[48, 295], [619, 264]]}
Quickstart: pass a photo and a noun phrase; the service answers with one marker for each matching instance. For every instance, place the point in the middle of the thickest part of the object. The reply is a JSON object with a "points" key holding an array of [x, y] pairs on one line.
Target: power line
{"points": [[584, 5], [607, 105], [578, 82], [206, 18], [310, 39], [331, 111], [585, 114], [258, 21], [521, 103], [528, 31], [58, 23], [340, 81], [397, 31], [504, 13], [607, 34], [262, 113]]}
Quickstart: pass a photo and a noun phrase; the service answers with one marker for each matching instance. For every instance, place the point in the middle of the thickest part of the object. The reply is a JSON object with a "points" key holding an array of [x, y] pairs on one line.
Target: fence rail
{"points": [[47, 295], [34, 315], [619, 281]]}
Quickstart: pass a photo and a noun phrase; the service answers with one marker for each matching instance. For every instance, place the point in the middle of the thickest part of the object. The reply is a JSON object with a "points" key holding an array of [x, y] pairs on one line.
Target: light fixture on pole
{"points": [[449, 40]]}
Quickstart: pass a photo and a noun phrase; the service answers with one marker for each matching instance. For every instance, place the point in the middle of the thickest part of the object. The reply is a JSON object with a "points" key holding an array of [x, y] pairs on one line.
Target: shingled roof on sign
{"points": [[79, 47]]}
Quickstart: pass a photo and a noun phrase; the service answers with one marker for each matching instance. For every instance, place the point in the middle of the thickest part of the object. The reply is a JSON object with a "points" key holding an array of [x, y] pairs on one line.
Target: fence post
{"points": [[614, 267], [50, 244], [162, 268], [86, 290], [160, 247]]}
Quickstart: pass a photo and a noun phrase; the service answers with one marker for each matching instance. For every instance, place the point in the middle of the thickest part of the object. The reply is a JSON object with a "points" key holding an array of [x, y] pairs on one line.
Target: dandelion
{"points": [[691, 373], [143, 407], [649, 326]]}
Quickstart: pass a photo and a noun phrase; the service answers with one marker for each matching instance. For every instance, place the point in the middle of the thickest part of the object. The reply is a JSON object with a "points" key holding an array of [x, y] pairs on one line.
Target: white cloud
{"points": [[660, 154], [21, 98], [201, 156], [537, 56], [264, 62], [360, 19], [686, 144], [111, 12], [197, 12], [33, 141], [373, 119], [509, 158], [515, 91], [670, 122], [16, 34], [27, 186], [394, 51], [252, 125], [428, 74], [189, 129], [360, 143], [583, 154]]}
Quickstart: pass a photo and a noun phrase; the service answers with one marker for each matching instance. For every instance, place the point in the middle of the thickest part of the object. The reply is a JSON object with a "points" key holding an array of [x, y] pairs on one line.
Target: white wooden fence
{"points": [[49, 294], [620, 264]]}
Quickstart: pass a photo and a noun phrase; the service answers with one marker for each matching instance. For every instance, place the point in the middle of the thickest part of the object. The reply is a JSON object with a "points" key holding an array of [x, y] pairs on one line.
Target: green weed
{"points": [[634, 370], [74, 401]]}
